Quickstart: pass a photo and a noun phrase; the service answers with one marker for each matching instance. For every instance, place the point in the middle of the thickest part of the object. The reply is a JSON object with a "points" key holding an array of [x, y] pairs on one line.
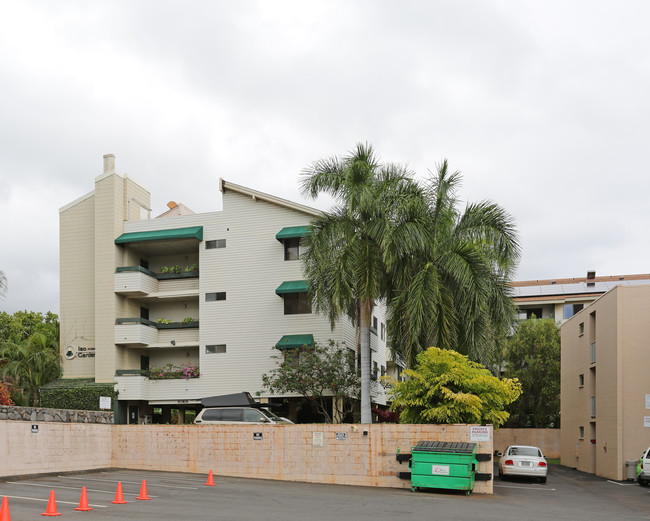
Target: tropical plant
{"points": [[533, 357], [30, 364], [23, 324], [452, 291], [352, 249], [171, 371], [447, 387], [188, 320], [319, 373]]}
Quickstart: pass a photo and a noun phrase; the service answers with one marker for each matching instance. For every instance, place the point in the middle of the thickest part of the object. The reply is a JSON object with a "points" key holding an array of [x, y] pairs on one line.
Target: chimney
{"points": [[591, 279], [109, 163]]}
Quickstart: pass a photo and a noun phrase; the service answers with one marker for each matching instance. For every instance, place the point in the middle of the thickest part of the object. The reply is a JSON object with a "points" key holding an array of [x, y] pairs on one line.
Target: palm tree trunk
{"points": [[364, 330]]}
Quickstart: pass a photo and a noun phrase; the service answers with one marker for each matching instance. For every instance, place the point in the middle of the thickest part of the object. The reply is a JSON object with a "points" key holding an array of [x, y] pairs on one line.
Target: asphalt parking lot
{"points": [[568, 494]]}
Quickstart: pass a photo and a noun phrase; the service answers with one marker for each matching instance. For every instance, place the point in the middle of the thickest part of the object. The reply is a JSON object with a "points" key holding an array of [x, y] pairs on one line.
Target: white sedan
{"points": [[523, 460]]}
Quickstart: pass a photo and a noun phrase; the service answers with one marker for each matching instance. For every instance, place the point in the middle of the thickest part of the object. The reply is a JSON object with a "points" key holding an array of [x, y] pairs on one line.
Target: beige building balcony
{"points": [[138, 387], [135, 281], [138, 332]]}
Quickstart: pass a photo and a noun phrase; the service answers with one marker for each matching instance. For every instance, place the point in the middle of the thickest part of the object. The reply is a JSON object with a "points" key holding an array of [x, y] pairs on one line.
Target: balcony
{"points": [[137, 387], [136, 281], [138, 332]]}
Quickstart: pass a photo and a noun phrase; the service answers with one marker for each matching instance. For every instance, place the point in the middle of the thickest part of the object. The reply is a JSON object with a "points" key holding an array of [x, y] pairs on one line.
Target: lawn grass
{"points": [[553, 461]]}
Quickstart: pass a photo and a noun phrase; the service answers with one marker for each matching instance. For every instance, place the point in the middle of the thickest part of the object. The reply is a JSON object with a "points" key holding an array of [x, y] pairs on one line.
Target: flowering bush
{"points": [[5, 396], [170, 371]]}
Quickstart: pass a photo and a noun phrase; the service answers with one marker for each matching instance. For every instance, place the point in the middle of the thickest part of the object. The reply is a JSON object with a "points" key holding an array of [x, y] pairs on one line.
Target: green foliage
{"points": [[188, 320], [30, 364], [446, 387], [164, 321], [318, 373], [533, 357], [23, 324], [84, 398], [170, 371]]}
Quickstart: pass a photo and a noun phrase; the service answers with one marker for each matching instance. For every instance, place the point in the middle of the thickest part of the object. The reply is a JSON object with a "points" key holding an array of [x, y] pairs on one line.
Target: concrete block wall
{"points": [[546, 439], [284, 452], [53, 447]]}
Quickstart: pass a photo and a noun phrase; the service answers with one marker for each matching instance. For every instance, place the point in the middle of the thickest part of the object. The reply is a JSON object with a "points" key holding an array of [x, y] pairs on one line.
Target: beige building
{"points": [[560, 299], [605, 385], [215, 291]]}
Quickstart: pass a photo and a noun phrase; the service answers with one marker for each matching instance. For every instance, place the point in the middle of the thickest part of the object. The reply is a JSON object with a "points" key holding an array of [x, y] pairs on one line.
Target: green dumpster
{"points": [[443, 464]]}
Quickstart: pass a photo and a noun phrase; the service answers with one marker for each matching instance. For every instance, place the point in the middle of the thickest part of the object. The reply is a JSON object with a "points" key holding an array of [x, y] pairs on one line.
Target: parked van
{"points": [[237, 408], [243, 415]]}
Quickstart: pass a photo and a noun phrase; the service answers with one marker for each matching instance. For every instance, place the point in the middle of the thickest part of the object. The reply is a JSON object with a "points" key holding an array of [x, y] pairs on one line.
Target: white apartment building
{"points": [[221, 291]]}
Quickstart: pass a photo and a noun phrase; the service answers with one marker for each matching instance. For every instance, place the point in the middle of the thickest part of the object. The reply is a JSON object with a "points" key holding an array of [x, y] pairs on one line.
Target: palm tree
{"points": [[3, 285], [30, 364], [454, 293], [353, 248]]}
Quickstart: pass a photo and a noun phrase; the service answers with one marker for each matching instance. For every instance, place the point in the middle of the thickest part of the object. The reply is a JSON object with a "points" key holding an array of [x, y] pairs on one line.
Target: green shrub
{"points": [[79, 398]]}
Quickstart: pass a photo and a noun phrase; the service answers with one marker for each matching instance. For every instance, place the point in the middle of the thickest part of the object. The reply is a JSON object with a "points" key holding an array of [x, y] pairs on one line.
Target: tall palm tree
{"points": [[353, 248], [30, 364], [454, 293], [3, 285]]}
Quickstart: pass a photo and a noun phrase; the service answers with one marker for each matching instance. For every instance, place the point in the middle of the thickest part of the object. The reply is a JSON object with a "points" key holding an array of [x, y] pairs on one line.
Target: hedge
{"points": [[84, 397]]}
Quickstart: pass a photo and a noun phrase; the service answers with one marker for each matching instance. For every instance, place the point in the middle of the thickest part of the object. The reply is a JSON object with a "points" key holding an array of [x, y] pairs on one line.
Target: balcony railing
{"points": [[138, 387], [142, 332], [138, 281]]}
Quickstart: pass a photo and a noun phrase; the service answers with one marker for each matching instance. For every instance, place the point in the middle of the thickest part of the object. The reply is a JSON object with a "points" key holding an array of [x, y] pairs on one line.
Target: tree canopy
{"points": [[447, 387], [533, 357], [320, 374]]}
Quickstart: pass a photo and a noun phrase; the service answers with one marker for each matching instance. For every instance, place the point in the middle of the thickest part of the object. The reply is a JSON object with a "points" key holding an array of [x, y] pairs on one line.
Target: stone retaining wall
{"points": [[33, 414]]}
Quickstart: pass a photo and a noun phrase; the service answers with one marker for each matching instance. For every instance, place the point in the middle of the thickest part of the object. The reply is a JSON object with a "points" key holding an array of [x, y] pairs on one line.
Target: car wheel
{"points": [[500, 473], [642, 482], [542, 480]]}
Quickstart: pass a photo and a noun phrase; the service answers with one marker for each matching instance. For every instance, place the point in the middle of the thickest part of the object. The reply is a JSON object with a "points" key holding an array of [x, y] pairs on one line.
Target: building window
{"points": [[297, 303], [218, 243], [593, 406], [212, 297], [215, 349], [581, 328], [383, 370], [533, 311], [144, 313], [383, 331], [581, 380], [373, 328], [582, 432], [593, 352], [292, 249], [572, 309]]}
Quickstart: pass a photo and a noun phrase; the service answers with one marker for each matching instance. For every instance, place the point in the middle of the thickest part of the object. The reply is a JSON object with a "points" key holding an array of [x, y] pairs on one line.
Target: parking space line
{"points": [[523, 488], [45, 500], [134, 482], [621, 484], [68, 488]]}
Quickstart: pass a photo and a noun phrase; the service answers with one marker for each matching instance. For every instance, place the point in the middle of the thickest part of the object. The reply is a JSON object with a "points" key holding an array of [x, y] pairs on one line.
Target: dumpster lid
{"points": [[446, 446]]}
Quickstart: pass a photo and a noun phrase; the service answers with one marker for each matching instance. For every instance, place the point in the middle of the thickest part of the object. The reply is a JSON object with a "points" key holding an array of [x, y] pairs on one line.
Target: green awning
{"points": [[292, 286], [295, 341], [293, 232], [194, 232]]}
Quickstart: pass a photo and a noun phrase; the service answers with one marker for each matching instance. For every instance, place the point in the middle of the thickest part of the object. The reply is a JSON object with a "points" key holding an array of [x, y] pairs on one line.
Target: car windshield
{"points": [[525, 451]]}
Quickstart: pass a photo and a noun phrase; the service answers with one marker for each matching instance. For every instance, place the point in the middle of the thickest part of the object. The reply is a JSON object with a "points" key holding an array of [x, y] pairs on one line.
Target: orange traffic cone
{"points": [[51, 506], [83, 502], [210, 482], [143, 491], [119, 498], [4, 511]]}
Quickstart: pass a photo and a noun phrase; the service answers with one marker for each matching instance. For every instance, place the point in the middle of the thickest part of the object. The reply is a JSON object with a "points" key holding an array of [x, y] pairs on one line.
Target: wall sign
{"points": [[257, 435], [35, 429], [646, 421], [479, 433], [341, 436], [104, 402], [317, 439]]}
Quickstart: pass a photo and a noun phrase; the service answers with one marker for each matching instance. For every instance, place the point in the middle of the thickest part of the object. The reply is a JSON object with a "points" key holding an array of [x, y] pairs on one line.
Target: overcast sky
{"points": [[543, 106]]}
